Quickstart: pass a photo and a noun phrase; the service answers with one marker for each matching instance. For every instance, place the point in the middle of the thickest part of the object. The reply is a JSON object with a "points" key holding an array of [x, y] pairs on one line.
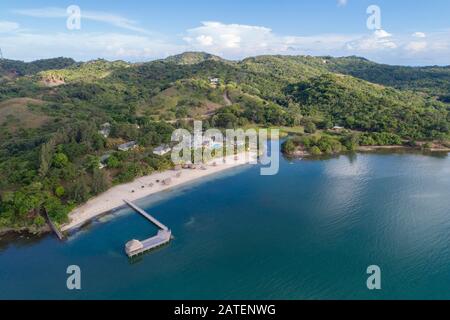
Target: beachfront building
{"points": [[128, 146], [162, 150]]}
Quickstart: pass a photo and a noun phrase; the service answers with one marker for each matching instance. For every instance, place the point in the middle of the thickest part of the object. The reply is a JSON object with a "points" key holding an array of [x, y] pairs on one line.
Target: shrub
{"points": [[59, 191], [288, 146], [60, 160], [315, 151]]}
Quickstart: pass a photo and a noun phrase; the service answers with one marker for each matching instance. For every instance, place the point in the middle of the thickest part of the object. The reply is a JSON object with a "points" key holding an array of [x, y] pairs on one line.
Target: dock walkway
{"points": [[146, 215], [135, 247]]}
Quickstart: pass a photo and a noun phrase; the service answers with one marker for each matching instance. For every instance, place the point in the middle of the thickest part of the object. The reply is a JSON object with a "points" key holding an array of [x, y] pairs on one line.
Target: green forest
{"points": [[53, 156]]}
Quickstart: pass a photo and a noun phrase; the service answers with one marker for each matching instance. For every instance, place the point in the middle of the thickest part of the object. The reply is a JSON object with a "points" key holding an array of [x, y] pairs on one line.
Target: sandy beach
{"points": [[144, 187]]}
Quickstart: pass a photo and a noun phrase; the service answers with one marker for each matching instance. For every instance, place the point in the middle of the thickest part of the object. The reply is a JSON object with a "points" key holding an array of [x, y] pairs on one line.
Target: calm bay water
{"points": [[309, 232]]}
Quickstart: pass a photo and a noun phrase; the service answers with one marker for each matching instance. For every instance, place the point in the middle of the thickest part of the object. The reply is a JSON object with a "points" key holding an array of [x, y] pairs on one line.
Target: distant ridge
{"points": [[21, 68], [189, 58]]}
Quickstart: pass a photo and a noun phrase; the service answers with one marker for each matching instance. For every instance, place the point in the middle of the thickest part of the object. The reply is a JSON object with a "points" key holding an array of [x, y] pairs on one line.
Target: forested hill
{"points": [[433, 80], [52, 111], [189, 58], [20, 68]]}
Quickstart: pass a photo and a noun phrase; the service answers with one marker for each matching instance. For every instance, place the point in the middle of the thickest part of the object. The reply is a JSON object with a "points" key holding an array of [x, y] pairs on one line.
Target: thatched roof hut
{"points": [[133, 245]]}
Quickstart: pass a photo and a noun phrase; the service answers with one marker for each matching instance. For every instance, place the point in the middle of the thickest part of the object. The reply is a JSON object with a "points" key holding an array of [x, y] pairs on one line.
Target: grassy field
{"points": [[15, 113]]}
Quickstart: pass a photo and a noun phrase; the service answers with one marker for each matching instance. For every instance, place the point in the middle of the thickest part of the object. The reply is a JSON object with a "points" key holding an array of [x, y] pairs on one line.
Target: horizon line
{"points": [[229, 60]]}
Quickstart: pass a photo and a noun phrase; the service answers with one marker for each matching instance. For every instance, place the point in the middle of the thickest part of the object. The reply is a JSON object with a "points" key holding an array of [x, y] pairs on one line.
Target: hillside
{"points": [[51, 113], [361, 105], [11, 69], [189, 58], [432, 80], [86, 72]]}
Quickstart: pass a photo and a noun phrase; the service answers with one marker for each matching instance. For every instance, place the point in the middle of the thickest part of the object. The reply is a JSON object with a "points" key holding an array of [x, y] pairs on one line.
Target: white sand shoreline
{"points": [[113, 198]]}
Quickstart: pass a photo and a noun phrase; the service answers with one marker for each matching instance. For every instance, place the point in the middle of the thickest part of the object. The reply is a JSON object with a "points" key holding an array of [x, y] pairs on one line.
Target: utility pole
{"points": [[1, 54]]}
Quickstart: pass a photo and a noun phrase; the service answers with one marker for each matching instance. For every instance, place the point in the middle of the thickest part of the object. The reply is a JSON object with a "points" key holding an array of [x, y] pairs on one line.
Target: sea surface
{"points": [[309, 232]]}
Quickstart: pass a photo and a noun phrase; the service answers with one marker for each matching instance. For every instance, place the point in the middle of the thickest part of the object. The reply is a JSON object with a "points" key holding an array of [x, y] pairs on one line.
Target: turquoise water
{"points": [[309, 232]]}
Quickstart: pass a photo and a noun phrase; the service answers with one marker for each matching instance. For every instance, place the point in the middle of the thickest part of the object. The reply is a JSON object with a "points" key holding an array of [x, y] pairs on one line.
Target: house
{"points": [[162, 150], [214, 82], [337, 129], [128, 146], [105, 129]]}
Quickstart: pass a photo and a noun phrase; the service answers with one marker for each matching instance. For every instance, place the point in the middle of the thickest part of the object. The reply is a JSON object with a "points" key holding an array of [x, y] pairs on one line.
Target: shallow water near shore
{"points": [[309, 232]]}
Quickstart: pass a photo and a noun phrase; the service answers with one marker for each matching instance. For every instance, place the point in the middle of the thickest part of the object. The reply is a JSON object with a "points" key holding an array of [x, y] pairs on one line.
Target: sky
{"points": [[403, 32]]}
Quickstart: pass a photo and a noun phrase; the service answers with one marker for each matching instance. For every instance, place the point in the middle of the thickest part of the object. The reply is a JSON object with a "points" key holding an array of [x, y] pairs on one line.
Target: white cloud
{"points": [[379, 40], [379, 34], [108, 18], [205, 40], [238, 41], [8, 26], [235, 41], [231, 41], [416, 46], [342, 3], [227, 37], [86, 46], [419, 35]]}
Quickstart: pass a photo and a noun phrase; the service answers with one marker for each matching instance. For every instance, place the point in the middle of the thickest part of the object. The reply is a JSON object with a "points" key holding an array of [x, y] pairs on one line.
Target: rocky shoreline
{"points": [[33, 231]]}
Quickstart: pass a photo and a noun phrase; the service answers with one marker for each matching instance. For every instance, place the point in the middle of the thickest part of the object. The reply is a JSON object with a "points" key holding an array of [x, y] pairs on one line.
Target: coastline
{"points": [[301, 153], [143, 187], [25, 230]]}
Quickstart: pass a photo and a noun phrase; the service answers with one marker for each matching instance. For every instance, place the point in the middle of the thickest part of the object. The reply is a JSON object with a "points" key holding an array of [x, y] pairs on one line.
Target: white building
{"points": [[162, 150], [127, 146], [214, 81]]}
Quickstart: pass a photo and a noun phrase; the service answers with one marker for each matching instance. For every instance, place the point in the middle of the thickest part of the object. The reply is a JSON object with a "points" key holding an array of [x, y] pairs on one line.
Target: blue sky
{"points": [[414, 32]]}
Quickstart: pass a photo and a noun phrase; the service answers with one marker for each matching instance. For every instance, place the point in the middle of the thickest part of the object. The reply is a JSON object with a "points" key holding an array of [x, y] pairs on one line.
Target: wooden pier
{"points": [[135, 247]]}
